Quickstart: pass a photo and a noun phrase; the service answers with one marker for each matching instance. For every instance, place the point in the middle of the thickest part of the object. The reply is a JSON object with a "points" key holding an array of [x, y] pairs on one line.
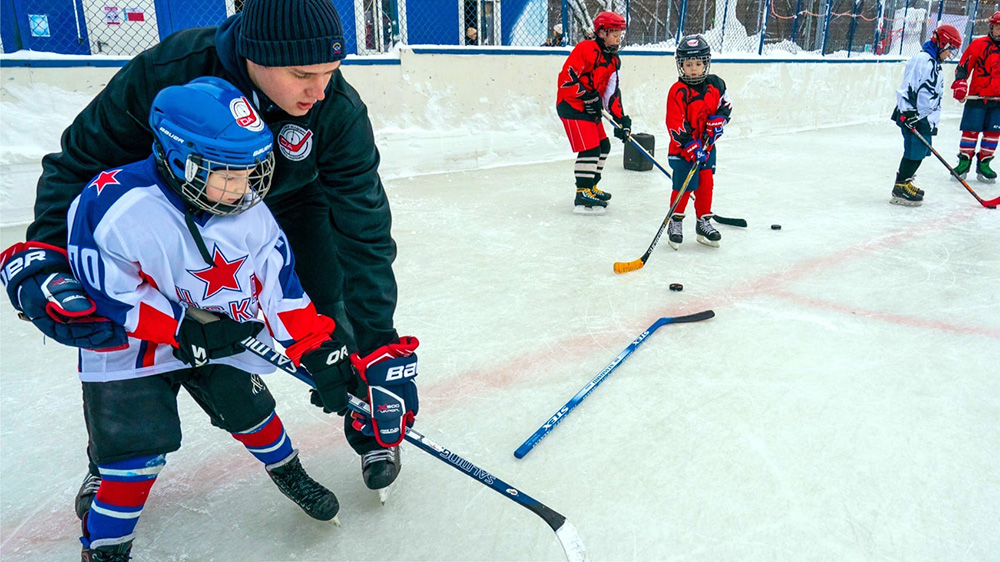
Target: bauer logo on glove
{"points": [[389, 372]]}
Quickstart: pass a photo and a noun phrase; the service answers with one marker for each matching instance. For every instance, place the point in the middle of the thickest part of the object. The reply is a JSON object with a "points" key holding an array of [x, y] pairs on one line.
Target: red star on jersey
{"points": [[105, 179], [220, 276]]}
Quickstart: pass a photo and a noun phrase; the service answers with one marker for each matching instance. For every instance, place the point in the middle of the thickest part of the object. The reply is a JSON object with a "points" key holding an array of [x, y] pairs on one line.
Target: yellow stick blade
{"points": [[627, 266]]}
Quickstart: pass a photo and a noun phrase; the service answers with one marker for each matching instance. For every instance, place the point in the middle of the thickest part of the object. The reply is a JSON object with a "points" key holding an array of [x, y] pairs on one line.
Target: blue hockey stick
{"points": [[543, 431], [568, 537]]}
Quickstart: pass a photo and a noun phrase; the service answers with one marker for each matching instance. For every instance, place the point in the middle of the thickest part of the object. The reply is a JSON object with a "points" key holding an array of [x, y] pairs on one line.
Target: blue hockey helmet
{"points": [[212, 145]]}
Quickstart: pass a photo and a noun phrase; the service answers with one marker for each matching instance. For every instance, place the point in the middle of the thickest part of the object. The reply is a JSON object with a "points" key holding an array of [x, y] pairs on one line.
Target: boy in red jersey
{"points": [[697, 110], [589, 84], [981, 62]]}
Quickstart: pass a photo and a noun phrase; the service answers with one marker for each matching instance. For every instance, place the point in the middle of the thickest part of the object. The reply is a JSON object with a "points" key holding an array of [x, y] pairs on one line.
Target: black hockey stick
{"points": [[742, 223], [567, 534], [991, 204], [611, 118]]}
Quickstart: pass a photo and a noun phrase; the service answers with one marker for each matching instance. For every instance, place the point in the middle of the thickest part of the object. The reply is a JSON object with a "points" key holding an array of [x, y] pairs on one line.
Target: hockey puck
{"points": [[775, 227], [676, 287]]}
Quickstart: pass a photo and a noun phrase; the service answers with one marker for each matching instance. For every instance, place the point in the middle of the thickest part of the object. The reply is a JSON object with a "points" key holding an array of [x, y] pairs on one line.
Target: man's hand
{"points": [[624, 128], [695, 152], [592, 105], [389, 372], [330, 366], [960, 89], [909, 119], [713, 128], [41, 286], [199, 342]]}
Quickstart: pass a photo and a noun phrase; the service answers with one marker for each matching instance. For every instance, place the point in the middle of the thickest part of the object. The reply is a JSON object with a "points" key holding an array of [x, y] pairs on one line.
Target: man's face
{"points": [[294, 88], [472, 33]]}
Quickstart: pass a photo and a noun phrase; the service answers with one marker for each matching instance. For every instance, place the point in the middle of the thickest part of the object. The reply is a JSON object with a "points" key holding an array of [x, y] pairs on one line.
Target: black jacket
{"points": [[338, 163]]}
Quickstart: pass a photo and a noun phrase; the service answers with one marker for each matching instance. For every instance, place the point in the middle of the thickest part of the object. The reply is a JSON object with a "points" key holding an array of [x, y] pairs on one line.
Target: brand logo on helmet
{"points": [[692, 42], [245, 115], [295, 142]]}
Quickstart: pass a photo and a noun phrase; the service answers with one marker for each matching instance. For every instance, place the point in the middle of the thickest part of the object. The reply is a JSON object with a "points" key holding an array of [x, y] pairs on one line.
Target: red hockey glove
{"points": [[389, 372], [960, 89], [695, 152], [713, 128]]}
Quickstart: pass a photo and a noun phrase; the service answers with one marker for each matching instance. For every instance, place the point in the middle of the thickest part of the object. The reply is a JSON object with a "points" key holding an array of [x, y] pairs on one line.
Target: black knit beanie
{"points": [[290, 32]]}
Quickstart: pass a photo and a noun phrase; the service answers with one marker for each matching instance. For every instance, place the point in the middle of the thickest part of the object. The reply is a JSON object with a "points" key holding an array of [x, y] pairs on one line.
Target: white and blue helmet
{"points": [[205, 126]]}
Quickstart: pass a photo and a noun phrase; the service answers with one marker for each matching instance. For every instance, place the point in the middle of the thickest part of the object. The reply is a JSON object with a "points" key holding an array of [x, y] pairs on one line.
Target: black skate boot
{"points": [[587, 203], [109, 553], [984, 173], [675, 231], [380, 467], [85, 496], [308, 494], [707, 234], [963, 166], [905, 193], [602, 195]]}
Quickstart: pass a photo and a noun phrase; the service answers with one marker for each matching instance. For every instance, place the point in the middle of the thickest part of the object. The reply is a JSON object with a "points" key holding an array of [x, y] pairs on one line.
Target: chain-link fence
{"points": [[836, 28]]}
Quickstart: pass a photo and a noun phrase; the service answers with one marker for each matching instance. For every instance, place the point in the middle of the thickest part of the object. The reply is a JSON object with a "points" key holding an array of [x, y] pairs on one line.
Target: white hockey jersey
{"points": [[129, 245], [922, 87]]}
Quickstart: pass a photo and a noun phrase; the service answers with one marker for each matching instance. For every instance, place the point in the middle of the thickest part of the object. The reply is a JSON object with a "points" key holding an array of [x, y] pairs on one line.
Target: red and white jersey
{"points": [[589, 69], [131, 248], [689, 106]]}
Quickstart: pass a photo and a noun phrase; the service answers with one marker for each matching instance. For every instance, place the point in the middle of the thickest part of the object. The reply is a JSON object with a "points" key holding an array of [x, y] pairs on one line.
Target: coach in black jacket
{"points": [[284, 55]]}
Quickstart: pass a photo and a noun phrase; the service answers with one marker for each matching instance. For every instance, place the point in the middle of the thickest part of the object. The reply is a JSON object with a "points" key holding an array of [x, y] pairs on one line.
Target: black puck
{"points": [[677, 287], [775, 227]]}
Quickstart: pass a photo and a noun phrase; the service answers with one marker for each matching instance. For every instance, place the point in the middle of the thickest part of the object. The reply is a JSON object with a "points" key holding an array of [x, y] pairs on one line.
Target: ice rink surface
{"points": [[840, 406]]}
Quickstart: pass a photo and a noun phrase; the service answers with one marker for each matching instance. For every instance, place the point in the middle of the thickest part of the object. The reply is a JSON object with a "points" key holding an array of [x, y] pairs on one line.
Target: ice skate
{"points": [[905, 193], [707, 234], [108, 553], [379, 469], [984, 173], [308, 494], [962, 168], [85, 496], [675, 231], [587, 203], [602, 195]]}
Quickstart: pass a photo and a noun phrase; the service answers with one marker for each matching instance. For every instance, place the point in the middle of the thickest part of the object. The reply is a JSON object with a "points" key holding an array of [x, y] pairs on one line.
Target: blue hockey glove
{"points": [[41, 286], [392, 393], [713, 128], [695, 152]]}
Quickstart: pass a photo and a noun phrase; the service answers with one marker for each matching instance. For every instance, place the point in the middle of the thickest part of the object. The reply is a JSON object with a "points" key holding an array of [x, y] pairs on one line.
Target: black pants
{"points": [[138, 417]]}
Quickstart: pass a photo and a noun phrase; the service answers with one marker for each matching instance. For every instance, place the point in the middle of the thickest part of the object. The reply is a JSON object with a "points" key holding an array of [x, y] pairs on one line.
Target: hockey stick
{"points": [[984, 98], [567, 534], [544, 430], [614, 123], [990, 204], [627, 266], [730, 221]]}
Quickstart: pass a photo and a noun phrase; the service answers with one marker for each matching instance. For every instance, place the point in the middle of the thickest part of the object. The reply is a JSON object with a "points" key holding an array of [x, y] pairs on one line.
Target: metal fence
{"points": [[833, 28]]}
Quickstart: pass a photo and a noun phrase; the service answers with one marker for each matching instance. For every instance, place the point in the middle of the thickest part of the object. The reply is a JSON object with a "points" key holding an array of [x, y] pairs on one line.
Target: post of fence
{"points": [[852, 27], [879, 18], [394, 19], [795, 19], [826, 26], [681, 18], [970, 24], [902, 31], [940, 10], [725, 12], [763, 26]]}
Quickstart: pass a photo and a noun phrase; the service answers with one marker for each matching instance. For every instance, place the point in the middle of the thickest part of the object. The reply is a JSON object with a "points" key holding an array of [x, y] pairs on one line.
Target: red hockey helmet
{"points": [[995, 19], [946, 36], [610, 21]]}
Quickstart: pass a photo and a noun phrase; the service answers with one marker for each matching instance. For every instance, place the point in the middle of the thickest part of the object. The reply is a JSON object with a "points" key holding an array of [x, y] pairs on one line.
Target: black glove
{"points": [[330, 366], [592, 105], [198, 342], [624, 128], [909, 119], [42, 287]]}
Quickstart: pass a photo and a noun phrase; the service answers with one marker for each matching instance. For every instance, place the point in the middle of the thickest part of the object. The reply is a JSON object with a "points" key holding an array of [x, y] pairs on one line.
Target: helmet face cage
{"points": [[226, 192], [947, 37], [693, 47]]}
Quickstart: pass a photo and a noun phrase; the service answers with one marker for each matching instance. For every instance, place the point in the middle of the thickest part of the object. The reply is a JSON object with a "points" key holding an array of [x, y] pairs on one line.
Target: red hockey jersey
{"points": [[589, 69], [689, 106], [981, 60]]}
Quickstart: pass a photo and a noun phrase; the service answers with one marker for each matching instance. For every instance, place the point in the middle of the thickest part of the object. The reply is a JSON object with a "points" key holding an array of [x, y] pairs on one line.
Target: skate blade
{"points": [[336, 520], [384, 493], [674, 245], [905, 202], [963, 176], [707, 242], [985, 179], [582, 210]]}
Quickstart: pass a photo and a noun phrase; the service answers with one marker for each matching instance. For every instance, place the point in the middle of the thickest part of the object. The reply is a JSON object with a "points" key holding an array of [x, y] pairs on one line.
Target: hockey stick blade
{"points": [[742, 223], [627, 266], [569, 538], [547, 427]]}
